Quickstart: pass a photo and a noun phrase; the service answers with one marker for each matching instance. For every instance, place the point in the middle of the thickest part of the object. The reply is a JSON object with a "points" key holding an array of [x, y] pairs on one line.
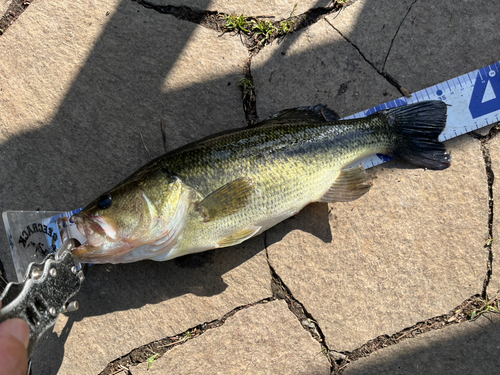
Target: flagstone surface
{"points": [[467, 348], [263, 339]]}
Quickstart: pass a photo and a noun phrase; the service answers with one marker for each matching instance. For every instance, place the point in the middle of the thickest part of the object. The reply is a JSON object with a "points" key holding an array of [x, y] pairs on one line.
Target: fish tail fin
{"points": [[418, 127]]}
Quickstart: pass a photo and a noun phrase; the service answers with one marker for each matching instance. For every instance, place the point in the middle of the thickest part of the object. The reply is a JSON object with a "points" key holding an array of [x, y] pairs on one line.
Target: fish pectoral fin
{"points": [[313, 114], [350, 185], [238, 237], [226, 200]]}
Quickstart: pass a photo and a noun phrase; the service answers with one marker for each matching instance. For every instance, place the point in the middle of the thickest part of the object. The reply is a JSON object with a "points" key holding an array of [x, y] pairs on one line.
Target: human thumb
{"points": [[17, 328]]}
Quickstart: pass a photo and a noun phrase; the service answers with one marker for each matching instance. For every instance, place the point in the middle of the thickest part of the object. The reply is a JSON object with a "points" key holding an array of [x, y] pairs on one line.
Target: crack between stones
{"points": [[252, 40], [488, 246], [248, 93], [160, 347], [208, 19], [12, 13], [494, 131], [215, 20], [468, 310], [396, 34], [391, 80], [282, 292]]}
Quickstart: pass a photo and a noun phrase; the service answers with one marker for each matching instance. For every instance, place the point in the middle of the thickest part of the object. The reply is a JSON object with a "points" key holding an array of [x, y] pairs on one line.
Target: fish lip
{"points": [[91, 229], [84, 253], [101, 234]]}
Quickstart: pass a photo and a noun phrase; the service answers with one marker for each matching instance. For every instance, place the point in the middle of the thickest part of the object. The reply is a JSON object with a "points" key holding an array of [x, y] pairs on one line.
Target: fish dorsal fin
{"points": [[313, 114], [350, 185], [238, 237], [226, 200]]}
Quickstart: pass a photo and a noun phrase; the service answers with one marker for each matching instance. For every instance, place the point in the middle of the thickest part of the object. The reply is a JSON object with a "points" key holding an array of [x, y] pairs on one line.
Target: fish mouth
{"points": [[97, 230]]}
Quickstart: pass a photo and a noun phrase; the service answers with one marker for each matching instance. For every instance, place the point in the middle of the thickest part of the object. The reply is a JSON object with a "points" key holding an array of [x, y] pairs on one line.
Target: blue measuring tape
{"points": [[473, 99]]}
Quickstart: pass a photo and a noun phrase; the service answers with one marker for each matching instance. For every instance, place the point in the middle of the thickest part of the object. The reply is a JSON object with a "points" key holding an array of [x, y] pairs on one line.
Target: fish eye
{"points": [[104, 201]]}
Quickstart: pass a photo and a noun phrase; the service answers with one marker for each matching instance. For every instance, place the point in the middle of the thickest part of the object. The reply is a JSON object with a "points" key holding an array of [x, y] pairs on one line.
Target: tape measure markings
{"points": [[473, 99]]}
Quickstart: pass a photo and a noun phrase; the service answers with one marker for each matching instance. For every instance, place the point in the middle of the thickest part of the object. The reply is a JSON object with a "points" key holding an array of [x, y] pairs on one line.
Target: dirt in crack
{"points": [[489, 172], [248, 94], [470, 309], [282, 292], [158, 348], [494, 131], [12, 13], [255, 31]]}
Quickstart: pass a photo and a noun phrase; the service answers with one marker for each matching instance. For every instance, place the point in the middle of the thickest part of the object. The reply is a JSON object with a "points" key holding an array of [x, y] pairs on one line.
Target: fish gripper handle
{"points": [[44, 293]]}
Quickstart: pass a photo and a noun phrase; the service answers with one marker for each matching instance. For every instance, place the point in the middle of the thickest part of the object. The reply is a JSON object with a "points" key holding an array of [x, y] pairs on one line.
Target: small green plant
{"points": [[236, 24], [286, 25], [326, 352], [151, 360], [265, 29], [246, 85], [486, 308]]}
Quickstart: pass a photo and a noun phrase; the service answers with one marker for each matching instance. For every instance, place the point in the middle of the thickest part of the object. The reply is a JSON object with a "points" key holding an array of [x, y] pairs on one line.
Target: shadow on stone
{"points": [[466, 348], [98, 136], [312, 219], [50, 352], [110, 288]]}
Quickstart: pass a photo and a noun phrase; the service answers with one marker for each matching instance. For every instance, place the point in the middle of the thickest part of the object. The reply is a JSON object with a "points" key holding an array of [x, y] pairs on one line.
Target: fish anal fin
{"points": [[238, 237], [350, 185], [226, 200]]}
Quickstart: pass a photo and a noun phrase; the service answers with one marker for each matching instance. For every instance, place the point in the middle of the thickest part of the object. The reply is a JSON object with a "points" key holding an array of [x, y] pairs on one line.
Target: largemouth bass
{"points": [[223, 190]]}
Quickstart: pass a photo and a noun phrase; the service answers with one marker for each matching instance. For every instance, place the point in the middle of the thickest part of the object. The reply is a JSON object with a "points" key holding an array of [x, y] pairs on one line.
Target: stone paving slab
{"points": [[410, 249], [4, 5], [468, 348], [440, 40], [264, 339], [316, 66]]}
